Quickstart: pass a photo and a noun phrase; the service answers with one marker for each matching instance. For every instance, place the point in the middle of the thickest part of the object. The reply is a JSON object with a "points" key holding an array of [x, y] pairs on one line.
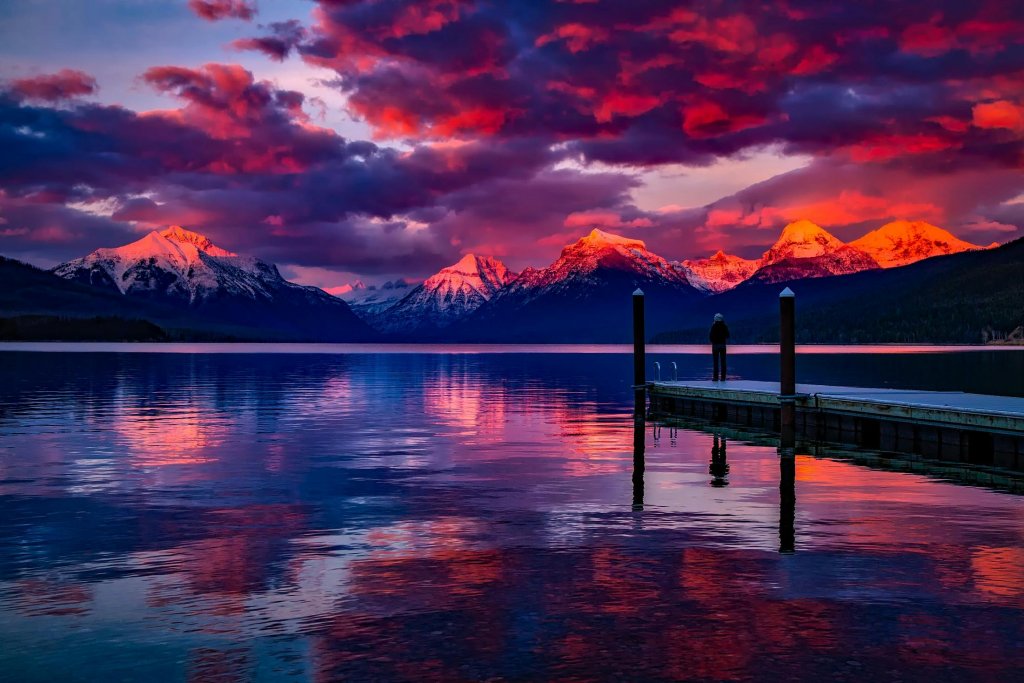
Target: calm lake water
{"points": [[316, 513]]}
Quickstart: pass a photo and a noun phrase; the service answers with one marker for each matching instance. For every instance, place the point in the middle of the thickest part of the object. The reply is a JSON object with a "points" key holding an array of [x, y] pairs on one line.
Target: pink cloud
{"points": [[214, 10], [63, 85]]}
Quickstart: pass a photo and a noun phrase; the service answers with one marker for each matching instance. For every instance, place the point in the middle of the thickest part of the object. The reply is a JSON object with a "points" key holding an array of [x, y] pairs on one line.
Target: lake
{"points": [[303, 512]]}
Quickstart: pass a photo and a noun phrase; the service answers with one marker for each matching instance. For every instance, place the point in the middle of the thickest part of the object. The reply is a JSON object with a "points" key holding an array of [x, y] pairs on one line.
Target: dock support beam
{"points": [[639, 353], [787, 356]]}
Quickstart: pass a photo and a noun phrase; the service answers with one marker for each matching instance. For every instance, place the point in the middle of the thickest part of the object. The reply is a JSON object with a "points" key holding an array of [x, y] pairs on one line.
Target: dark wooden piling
{"points": [[639, 352], [787, 362]]}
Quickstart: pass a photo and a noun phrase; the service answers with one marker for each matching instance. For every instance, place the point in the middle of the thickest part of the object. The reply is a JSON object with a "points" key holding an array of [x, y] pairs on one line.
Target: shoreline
{"points": [[454, 349]]}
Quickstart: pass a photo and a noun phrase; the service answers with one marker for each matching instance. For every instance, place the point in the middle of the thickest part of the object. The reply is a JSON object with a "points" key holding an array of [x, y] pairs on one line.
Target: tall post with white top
{"points": [[787, 420], [639, 352], [787, 362]]}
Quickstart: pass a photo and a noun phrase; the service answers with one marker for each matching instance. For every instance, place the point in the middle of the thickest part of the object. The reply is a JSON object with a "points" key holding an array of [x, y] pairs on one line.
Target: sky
{"points": [[377, 139]]}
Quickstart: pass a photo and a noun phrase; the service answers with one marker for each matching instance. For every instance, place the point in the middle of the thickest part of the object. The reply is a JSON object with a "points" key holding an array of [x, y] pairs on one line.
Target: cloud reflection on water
{"points": [[459, 517]]}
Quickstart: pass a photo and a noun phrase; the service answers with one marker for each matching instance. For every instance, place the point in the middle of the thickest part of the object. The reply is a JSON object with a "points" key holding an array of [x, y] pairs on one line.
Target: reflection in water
{"points": [[787, 503], [639, 442], [719, 467], [316, 517]]}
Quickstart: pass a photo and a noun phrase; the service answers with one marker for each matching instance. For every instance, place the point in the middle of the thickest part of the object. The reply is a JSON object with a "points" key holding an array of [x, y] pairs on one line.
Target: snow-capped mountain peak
{"points": [[902, 242], [178, 234], [601, 249], [368, 301], [801, 239], [600, 238], [720, 272], [806, 250], [448, 295], [174, 263], [483, 275], [180, 269]]}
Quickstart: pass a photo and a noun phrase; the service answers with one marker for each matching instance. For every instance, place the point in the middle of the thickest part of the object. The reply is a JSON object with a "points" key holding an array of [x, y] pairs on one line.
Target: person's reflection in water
{"points": [[787, 500], [719, 468], [639, 435]]}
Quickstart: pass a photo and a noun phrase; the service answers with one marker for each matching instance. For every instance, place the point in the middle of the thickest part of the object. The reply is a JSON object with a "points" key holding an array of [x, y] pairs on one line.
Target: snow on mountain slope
{"points": [[369, 301], [720, 272], [175, 263], [447, 296], [581, 261], [585, 295], [801, 239], [900, 243], [806, 250], [186, 270]]}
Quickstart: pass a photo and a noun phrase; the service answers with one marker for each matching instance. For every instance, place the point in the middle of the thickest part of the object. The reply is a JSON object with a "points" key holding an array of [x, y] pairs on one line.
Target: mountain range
{"points": [[569, 300], [974, 296], [589, 273], [183, 272], [446, 297], [181, 281]]}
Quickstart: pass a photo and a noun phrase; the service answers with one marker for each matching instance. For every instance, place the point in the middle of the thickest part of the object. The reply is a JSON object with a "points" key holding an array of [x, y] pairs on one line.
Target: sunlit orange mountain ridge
{"points": [[903, 242], [805, 249]]}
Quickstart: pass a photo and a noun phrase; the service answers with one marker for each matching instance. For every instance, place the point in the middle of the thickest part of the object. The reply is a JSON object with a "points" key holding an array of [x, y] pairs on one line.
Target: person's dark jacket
{"points": [[719, 333]]}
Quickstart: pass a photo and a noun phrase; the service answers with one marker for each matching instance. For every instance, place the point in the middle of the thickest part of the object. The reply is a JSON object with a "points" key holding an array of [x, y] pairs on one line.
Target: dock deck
{"points": [[946, 425], [944, 407]]}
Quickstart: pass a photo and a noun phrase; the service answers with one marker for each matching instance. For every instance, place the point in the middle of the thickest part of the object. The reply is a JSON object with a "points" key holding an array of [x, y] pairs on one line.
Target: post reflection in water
{"points": [[385, 517], [639, 441], [787, 485], [719, 467], [787, 504]]}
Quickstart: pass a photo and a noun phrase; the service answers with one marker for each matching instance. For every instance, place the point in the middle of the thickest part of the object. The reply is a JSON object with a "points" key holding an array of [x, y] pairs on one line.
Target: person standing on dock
{"points": [[719, 337]]}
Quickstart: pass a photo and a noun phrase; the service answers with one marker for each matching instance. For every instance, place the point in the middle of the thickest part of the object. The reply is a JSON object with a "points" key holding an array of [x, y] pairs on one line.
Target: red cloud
{"points": [[883, 146], [709, 119], [480, 121], [815, 60], [577, 37], [65, 84], [732, 34], [264, 128], [213, 10], [999, 114], [627, 104], [927, 39], [978, 35]]}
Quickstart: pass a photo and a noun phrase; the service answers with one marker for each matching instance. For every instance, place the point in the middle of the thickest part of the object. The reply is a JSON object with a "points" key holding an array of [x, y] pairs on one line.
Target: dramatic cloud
{"points": [[214, 10], [63, 85], [282, 37], [650, 82], [510, 128]]}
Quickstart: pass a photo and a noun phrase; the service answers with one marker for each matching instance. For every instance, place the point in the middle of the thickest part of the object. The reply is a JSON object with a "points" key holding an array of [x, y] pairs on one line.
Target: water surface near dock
{"points": [[284, 516]]}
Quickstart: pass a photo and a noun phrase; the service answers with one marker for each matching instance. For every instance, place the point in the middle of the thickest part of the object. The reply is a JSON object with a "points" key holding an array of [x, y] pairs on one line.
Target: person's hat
{"points": [[719, 317]]}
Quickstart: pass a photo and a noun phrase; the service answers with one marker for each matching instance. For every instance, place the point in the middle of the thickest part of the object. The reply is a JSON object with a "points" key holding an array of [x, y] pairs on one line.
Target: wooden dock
{"points": [[951, 426]]}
